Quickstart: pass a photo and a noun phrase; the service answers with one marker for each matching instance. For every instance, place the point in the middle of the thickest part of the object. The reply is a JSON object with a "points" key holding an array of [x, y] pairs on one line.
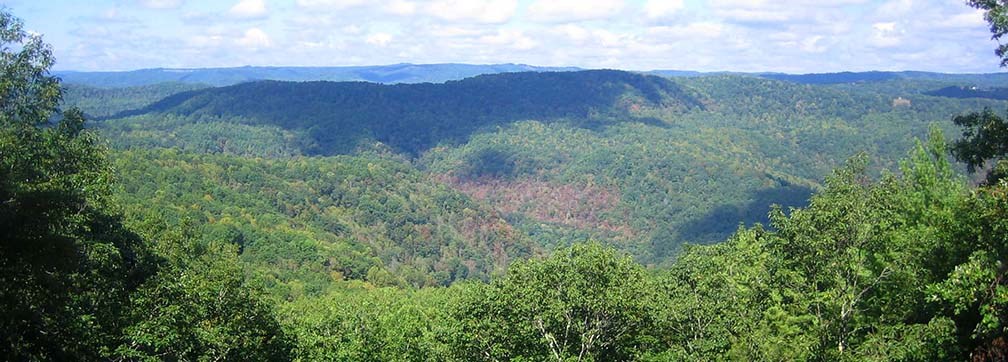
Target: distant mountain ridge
{"points": [[387, 74], [443, 72]]}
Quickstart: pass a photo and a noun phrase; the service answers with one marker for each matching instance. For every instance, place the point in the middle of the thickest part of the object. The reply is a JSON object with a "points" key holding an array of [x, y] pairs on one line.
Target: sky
{"points": [[793, 36]]}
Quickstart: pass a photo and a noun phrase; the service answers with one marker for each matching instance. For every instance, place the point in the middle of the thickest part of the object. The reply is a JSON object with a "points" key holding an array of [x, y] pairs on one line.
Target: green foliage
{"points": [[210, 134], [996, 14], [976, 290], [358, 322], [984, 140], [67, 263], [583, 303], [200, 308], [411, 118], [103, 102], [28, 94], [687, 160], [303, 223], [75, 282], [238, 247]]}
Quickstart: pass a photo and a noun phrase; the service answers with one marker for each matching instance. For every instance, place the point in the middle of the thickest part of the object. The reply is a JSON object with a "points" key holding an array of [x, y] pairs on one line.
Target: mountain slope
{"points": [[307, 222], [411, 118], [104, 102], [643, 162]]}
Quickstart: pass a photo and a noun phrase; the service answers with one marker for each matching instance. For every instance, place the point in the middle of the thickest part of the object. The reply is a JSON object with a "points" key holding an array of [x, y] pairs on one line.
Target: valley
{"points": [[188, 209]]}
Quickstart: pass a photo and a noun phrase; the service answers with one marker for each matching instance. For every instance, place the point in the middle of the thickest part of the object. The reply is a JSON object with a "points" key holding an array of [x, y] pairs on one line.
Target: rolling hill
{"points": [[642, 162]]}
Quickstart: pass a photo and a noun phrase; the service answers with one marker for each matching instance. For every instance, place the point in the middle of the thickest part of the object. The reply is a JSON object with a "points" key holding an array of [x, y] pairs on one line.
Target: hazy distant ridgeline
{"points": [[397, 73], [438, 73]]}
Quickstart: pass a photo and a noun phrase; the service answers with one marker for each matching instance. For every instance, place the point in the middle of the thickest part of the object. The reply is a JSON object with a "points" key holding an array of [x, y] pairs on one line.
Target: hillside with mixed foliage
{"points": [[637, 161], [301, 223], [105, 102], [566, 216]]}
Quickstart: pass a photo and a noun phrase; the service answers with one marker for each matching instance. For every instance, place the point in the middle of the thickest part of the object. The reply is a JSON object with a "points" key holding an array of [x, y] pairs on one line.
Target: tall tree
{"points": [[985, 134], [584, 303], [66, 264], [996, 14], [984, 141]]}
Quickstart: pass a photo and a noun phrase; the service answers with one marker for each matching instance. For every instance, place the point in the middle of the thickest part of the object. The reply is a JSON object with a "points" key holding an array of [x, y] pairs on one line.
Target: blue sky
{"points": [[796, 36]]}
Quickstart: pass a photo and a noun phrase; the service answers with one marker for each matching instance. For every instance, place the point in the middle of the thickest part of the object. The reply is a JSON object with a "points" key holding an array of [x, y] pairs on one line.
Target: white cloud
{"points": [[379, 39], [249, 9], [813, 44], [609, 39], [756, 15], [161, 4], [704, 30], [561, 11], [885, 35], [895, 8], [491, 11], [782, 13], [441, 31], [330, 4], [572, 32], [204, 41], [509, 38], [744, 35], [352, 29], [884, 27], [972, 19], [401, 7], [254, 39], [656, 9]]}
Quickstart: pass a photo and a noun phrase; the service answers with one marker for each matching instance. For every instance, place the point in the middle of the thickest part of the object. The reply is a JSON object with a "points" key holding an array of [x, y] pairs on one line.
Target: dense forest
{"points": [[636, 161], [569, 216]]}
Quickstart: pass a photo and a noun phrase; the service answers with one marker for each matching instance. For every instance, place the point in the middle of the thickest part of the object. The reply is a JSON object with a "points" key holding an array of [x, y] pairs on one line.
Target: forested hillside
{"points": [[536, 216], [105, 102], [641, 162], [306, 222], [411, 118]]}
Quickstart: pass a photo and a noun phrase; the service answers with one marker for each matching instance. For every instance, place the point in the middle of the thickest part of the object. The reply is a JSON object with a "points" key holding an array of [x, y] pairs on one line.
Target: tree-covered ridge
{"points": [[411, 118], [682, 160], [992, 79], [305, 222], [104, 102]]}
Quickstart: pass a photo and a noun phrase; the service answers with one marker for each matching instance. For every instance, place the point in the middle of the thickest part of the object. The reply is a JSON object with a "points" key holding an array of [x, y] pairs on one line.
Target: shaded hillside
{"points": [[104, 102], [411, 118], [833, 78], [395, 73], [971, 92], [987, 80]]}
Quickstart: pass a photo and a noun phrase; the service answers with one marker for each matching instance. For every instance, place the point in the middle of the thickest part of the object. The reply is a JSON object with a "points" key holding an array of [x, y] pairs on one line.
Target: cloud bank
{"points": [[795, 36]]}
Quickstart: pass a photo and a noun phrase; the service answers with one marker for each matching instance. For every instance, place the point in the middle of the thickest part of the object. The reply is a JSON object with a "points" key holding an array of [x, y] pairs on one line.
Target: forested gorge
{"points": [[566, 216]]}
